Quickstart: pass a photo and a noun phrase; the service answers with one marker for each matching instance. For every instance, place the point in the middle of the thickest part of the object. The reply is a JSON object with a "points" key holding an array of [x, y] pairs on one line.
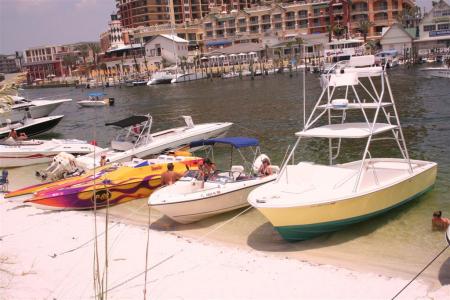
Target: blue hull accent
{"points": [[304, 232]]}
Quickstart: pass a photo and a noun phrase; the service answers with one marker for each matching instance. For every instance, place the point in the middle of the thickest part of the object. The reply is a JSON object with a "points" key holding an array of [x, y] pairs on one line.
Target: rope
{"points": [[176, 252], [146, 253], [418, 274]]}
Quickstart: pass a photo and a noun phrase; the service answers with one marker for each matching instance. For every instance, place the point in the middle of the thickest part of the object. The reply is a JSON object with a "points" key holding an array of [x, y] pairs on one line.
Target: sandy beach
{"points": [[50, 255]]}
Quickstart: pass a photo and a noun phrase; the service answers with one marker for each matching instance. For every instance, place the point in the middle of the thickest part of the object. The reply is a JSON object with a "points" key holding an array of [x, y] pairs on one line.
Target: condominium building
{"points": [[8, 63], [300, 17], [135, 13]]}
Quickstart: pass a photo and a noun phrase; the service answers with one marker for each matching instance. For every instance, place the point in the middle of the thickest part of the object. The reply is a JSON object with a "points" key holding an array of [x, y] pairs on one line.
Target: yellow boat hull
{"points": [[307, 221]]}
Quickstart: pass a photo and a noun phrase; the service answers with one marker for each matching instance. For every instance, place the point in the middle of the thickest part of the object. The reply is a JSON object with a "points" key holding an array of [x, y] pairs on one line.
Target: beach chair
{"points": [[4, 181]]}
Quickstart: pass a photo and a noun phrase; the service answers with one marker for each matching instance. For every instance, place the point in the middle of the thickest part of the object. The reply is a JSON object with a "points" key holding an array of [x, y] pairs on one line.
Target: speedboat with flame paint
{"points": [[108, 185], [310, 199]]}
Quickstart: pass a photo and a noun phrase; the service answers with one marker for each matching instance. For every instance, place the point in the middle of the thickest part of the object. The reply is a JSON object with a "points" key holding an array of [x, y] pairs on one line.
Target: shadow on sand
{"points": [[444, 272], [266, 238], [164, 223]]}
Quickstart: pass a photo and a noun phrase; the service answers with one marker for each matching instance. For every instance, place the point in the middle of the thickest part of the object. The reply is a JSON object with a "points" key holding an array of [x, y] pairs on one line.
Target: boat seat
{"points": [[237, 168]]}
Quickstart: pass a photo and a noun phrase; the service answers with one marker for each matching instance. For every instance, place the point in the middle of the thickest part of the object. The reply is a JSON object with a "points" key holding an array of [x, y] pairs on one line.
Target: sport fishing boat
{"points": [[18, 153], [38, 108], [136, 140], [192, 198], [96, 99], [310, 199], [109, 185], [30, 126]]}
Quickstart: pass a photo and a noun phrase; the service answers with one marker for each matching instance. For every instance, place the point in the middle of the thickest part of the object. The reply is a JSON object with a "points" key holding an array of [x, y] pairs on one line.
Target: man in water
{"points": [[438, 222], [169, 177]]}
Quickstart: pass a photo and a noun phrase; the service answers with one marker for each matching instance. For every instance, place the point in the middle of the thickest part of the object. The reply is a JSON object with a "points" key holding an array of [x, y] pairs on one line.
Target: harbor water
{"points": [[271, 109]]}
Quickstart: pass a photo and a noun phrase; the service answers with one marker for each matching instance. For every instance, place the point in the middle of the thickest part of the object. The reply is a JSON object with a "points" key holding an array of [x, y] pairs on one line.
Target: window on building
{"points": [[443, 26], [209, 33], [303, 14], [242, 21], [429, 27], [208, 25]]}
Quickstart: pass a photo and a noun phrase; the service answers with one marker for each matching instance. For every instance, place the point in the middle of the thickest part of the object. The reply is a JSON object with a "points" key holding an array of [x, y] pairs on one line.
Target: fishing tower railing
{"points": [[360, 72]]}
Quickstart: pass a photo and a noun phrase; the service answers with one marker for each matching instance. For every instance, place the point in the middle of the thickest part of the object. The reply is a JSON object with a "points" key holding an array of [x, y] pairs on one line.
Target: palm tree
{"points": [[69, 61], [338, 31], [330, 33], [95, 48], [84, 51], [364, 27]]}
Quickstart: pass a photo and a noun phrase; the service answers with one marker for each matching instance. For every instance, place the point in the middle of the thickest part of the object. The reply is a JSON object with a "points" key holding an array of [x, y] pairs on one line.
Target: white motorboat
{"points": [[188, 77], [192, 198], [30, 126], [37, 108], [95, 100], [230, 75], [161, 78], [309, 199], [18, 153], [136, 140]]}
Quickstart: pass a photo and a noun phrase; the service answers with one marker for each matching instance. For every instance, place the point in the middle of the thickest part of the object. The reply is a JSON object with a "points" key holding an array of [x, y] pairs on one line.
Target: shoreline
{"points": [[60, 264], [222, 247]]}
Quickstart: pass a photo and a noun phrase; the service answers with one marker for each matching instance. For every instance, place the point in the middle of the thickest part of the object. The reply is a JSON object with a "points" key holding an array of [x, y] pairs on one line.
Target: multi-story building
{"points": [[301, 17], [41, 62], [135, 13], [435, 30], [8, 64]]}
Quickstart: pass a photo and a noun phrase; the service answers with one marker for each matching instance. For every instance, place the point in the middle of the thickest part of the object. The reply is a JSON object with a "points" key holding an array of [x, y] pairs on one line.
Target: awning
{"points": [[252, 53], [236, 142], [222, 56], [130, 121], [212, 57], [242, 54], [218, 43], [96, 94]]}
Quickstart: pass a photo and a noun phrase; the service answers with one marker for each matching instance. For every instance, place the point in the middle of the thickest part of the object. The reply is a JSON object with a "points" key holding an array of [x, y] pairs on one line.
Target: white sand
{"points": [[182, 268]]}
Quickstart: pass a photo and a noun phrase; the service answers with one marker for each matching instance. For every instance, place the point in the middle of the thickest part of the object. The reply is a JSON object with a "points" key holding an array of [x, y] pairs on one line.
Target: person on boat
{"points": [[170, 176], [265, 169], [207, 168], [13, 134], [103, 160], [438, 222]]}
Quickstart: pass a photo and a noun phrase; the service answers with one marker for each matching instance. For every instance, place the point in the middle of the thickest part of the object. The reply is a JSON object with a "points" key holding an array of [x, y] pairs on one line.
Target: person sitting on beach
{"points": [[13, 134], [438, 222], [265, 169], [170, 176]]}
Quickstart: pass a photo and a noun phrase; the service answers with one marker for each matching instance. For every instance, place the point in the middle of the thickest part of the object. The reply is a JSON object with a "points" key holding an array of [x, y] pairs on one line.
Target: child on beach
{"points": [[439, 223]]}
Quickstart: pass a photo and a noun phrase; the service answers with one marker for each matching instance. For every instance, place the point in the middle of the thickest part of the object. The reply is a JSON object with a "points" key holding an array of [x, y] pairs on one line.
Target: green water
{"points": [[271, 109]]}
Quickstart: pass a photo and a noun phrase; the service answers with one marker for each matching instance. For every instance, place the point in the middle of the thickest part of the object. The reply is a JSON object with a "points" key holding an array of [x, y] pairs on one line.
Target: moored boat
{"points": [[309, 199], [18, 153], [30, 126], [136, 139], [109, 185], [38, 108], [96, 99], [161, 78], [188, 77], [193, 197]]}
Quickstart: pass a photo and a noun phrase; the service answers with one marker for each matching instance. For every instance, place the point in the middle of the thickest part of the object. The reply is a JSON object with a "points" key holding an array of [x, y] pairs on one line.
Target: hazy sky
{"points": [[29, 23]]}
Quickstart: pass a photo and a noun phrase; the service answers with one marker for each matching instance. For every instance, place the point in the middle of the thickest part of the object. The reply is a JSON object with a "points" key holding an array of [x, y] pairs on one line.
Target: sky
{"points": [[30, 23]]}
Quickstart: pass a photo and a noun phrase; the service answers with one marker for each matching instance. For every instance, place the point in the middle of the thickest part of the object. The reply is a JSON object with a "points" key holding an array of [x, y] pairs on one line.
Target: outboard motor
{"points": [[111, 101]]}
